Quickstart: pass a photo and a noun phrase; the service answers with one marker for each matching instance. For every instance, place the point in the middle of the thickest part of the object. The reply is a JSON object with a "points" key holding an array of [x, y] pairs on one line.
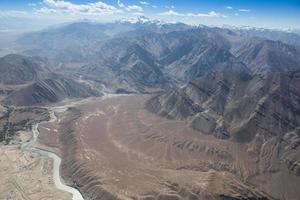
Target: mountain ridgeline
{"points": [[26, 81]]}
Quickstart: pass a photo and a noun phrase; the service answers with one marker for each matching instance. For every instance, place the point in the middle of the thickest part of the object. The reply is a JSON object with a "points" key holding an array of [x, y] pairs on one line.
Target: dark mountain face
{"points": [[27, 81], [188, 54], [240, 90], [259, 113], [16, 69], [50, 90], [132, 64], [265, 56], [257, 104], [177, 56]]}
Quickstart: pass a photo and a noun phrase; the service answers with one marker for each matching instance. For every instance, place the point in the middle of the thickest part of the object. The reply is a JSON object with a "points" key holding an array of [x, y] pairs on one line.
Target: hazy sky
{"points": [[25, 15]]}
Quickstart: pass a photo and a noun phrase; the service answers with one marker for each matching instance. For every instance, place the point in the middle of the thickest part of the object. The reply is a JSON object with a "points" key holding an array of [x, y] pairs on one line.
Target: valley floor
{"points": [[113, 148]]}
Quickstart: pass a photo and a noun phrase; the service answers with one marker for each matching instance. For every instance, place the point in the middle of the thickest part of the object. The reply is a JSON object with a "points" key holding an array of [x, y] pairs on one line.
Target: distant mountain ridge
{"points": [[146, 56], [287, 36], [33, 84]]}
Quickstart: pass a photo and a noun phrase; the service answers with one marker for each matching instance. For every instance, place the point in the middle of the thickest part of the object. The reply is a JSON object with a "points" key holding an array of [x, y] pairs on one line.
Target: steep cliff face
{"points": [[27, 81]]}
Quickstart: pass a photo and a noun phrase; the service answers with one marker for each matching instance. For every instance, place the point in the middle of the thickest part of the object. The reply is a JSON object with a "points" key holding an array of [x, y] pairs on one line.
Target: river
{"points": [[58, 182], [28, 146]]}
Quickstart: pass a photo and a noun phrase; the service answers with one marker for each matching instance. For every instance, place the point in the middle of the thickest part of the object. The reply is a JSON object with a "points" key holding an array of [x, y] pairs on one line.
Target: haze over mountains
{"points": [[240, 86]]}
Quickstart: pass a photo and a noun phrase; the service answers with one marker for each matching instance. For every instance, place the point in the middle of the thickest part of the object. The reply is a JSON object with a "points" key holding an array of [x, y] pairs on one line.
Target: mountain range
{"points": [[239, 85]]}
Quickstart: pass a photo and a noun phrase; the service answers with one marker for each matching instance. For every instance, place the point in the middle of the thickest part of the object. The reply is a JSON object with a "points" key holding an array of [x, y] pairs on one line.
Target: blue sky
{"points": [[34, 14]]}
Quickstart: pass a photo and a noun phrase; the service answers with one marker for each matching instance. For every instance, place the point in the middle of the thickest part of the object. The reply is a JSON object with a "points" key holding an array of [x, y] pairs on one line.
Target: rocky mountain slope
{"points": [[17, 69], [258, 110], [50, 90], [263, 56], [143, 55], [26, 81]]}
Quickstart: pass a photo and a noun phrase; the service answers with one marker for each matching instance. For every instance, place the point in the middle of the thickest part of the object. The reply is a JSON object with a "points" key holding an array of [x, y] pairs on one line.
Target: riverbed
{"points": [[58, 182]]}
